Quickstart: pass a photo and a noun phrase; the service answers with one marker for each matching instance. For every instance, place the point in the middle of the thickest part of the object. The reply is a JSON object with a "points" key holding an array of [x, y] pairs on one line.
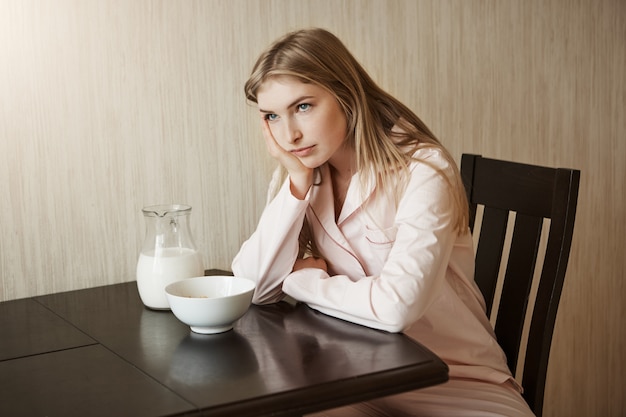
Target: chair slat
{"points": [[517, 282], [489, 252]]}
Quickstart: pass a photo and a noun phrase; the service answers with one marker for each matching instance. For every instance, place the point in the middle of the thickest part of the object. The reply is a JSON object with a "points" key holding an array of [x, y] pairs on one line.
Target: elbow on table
{"points": [[265, 294], [394, 318], [397, 326], [387, 323]]}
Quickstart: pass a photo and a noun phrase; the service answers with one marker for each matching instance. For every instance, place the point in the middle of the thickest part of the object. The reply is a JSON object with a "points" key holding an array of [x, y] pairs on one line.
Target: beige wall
{"points": [[110, 105]]}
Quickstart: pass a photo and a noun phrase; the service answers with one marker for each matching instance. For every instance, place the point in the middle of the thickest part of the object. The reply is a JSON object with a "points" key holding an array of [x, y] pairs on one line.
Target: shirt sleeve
{"points": [[414, 271], [268, 256]]}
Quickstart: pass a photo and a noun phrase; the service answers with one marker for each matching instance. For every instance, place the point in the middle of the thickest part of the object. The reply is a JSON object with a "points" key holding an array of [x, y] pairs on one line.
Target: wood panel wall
{"points": [[110, 105]]}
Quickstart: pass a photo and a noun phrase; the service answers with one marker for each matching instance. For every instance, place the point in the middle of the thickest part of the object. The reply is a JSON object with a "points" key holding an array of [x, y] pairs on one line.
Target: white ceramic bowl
{"points": [[210, 304]]}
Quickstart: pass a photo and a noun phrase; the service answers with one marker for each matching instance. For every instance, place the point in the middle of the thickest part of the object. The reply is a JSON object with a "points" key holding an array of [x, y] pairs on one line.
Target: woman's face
{"points": [[304, 118]]}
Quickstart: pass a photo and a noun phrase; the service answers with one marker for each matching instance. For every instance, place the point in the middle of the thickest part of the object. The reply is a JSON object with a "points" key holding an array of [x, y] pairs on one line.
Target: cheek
{"points": [[338, 125]]}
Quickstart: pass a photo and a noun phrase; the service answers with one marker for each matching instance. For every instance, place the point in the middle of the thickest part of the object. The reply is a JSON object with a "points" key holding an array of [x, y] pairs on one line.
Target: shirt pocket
{"points": [[381, 238]]}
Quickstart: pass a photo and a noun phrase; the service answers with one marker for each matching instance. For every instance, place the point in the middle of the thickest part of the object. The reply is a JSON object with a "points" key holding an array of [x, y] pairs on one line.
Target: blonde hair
{"points": [[384, 132]]}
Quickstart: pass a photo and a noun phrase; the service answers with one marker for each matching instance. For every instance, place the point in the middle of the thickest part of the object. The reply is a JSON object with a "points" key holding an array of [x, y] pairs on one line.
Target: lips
{"points": [[301, 152]]}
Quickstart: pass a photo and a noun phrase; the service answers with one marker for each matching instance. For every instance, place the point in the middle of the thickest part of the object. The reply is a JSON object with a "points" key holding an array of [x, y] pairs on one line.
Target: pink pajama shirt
{"points": [[395, 267]]}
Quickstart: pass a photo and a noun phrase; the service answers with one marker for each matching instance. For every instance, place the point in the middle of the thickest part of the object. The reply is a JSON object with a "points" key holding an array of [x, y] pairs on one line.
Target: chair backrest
{"points": [[532, 193]]}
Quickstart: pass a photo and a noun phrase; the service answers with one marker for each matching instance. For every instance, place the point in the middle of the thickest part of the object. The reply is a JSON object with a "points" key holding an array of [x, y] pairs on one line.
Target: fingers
{"points": [[272, 146], [310, 262], [285, 158], [320, 263]]}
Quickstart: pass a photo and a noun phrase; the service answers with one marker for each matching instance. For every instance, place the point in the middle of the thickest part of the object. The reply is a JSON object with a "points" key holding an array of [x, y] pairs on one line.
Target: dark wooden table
{"points": [[100, 352]]}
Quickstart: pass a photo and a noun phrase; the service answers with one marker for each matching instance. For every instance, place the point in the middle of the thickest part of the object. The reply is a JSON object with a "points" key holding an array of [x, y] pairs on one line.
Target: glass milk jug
{"points": [[168, 253]]}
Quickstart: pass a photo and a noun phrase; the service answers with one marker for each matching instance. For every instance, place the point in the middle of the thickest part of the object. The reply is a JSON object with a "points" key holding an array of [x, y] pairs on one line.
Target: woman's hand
{"points": [[310, 262], [301, 176]]}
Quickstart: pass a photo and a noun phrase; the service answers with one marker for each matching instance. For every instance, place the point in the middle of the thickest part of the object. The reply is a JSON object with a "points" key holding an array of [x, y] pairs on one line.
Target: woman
{"points": [[367, 221]]}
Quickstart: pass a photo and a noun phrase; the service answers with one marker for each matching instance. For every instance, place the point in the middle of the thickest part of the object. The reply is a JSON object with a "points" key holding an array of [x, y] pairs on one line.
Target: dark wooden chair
{"points": [[533, 194]]}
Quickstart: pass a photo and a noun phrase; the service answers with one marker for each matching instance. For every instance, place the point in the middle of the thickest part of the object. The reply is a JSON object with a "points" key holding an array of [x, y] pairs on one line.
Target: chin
{"points": [[312, 164]]}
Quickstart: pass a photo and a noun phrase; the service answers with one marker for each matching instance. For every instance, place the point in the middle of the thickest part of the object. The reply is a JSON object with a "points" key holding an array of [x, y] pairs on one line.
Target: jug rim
{"points": [[162, 210]]}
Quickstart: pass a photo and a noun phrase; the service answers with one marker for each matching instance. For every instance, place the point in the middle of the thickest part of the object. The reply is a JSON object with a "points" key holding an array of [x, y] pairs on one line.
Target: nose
{"points": [[294, 134]]}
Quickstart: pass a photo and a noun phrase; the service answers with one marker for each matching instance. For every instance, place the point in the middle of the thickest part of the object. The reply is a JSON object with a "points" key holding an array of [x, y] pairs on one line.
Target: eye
{"points": [[270, 117], [304, 107]]}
